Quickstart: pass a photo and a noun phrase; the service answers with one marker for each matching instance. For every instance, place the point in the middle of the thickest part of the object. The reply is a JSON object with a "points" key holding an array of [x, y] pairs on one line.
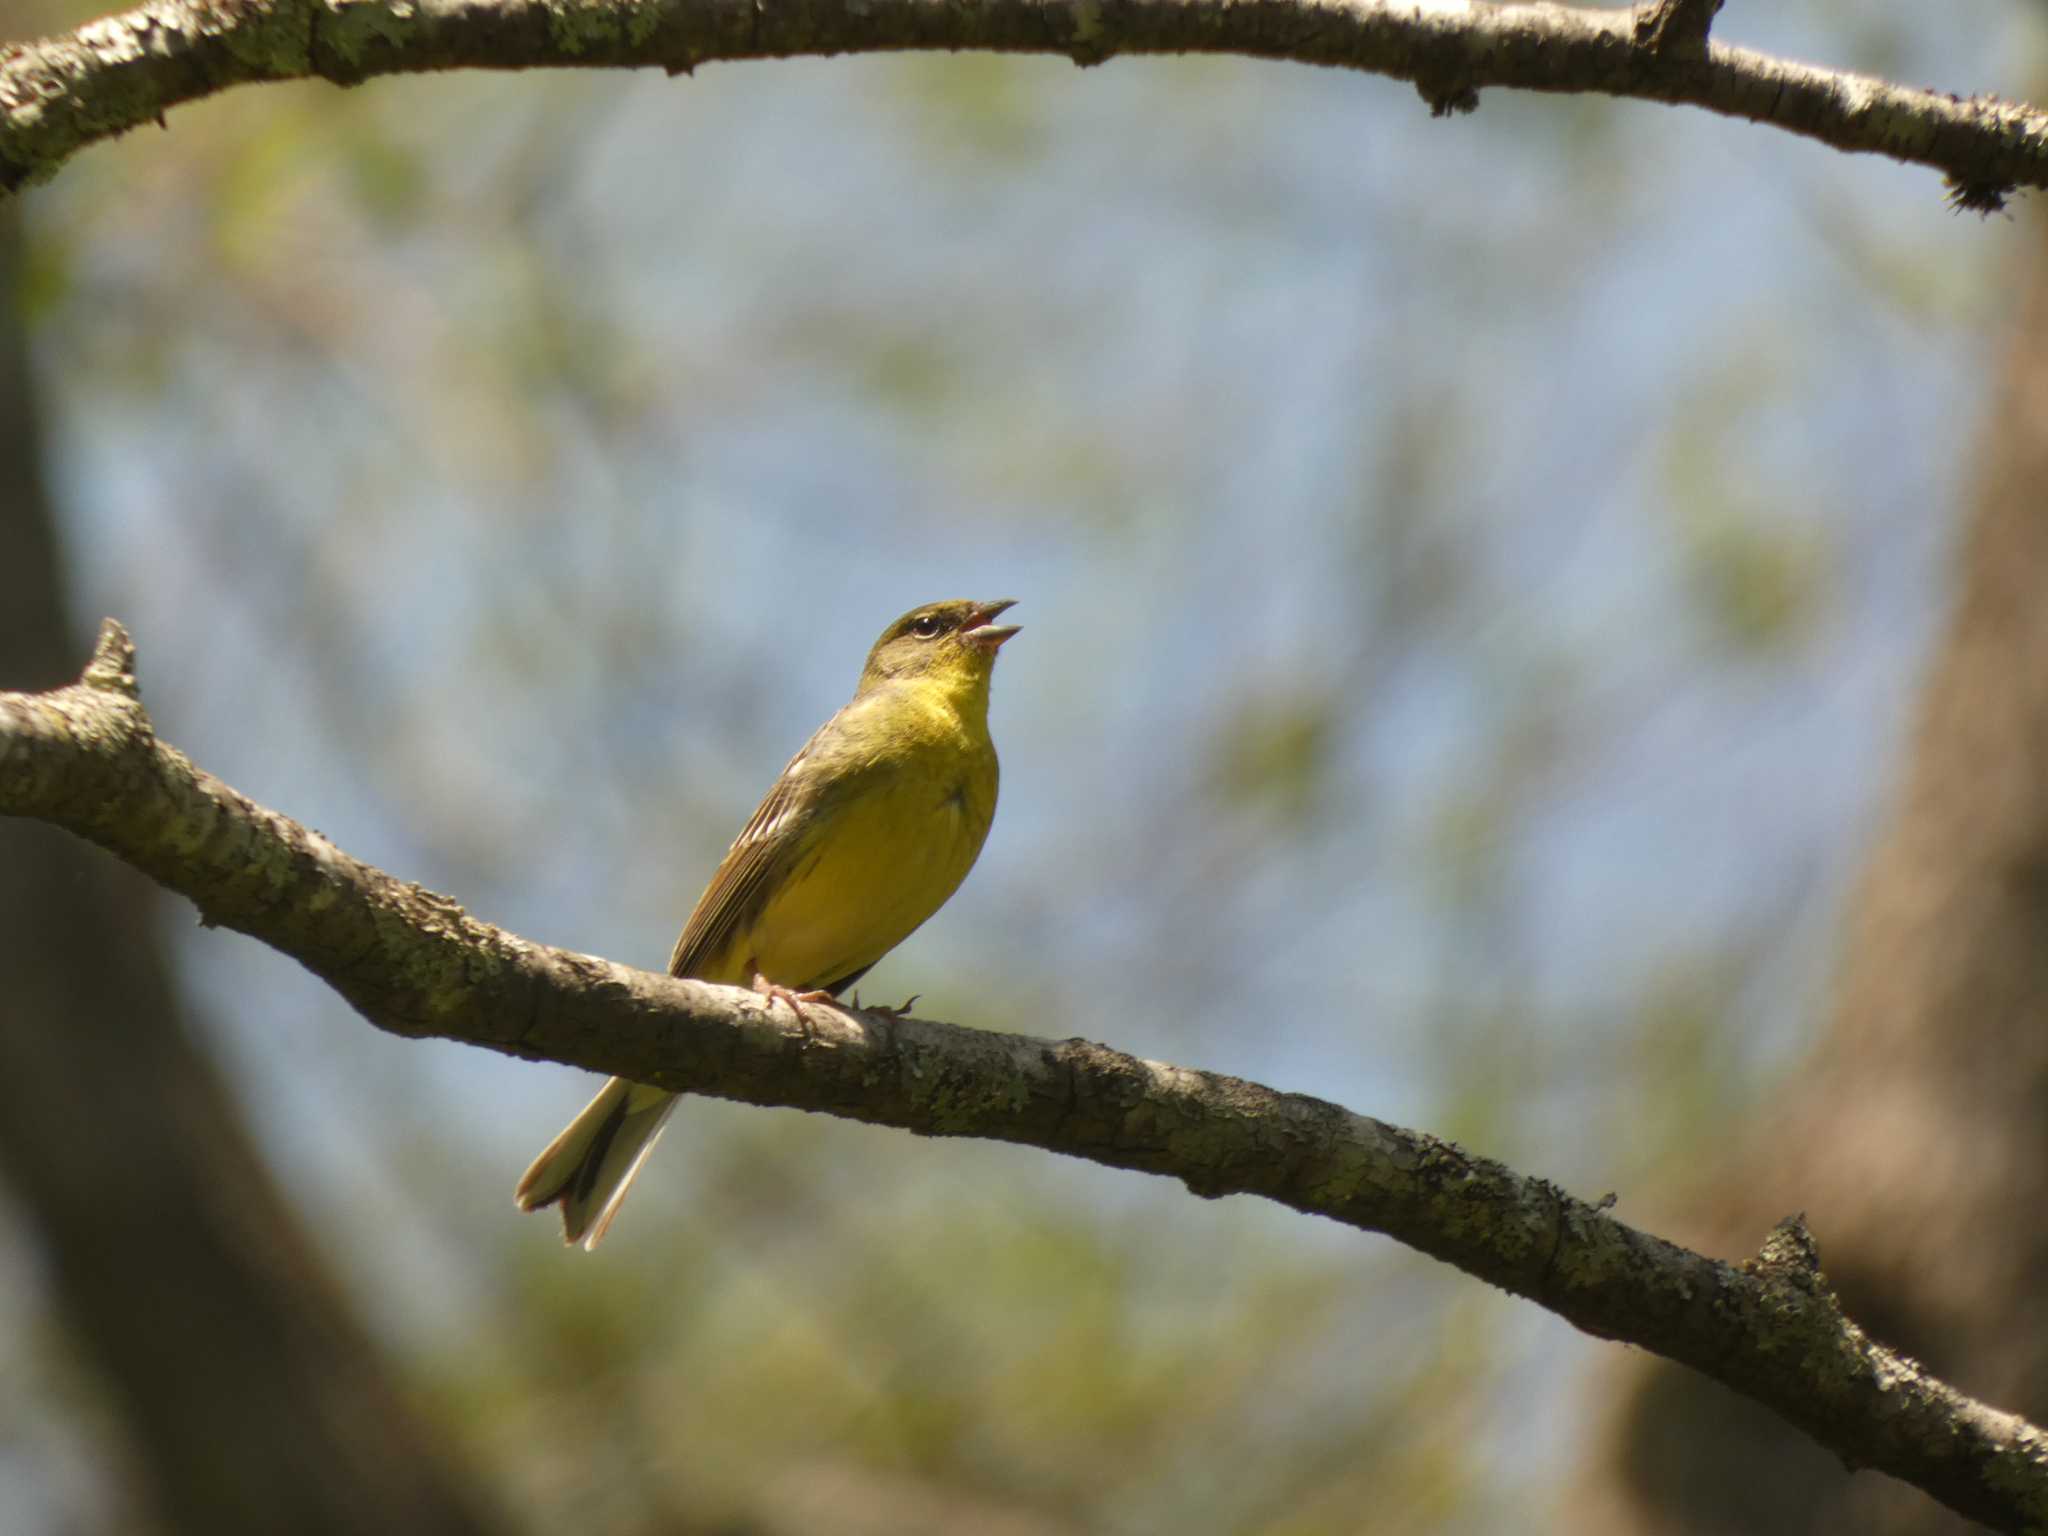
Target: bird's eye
{"points": [[927, 626]]}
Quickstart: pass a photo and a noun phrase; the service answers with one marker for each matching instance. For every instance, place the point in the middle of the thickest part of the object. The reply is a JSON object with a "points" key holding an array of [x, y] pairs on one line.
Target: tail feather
{"points": [[590, 1166]]}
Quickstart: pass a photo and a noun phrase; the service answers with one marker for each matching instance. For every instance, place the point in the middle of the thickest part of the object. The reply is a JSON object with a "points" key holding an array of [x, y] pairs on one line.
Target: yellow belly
{"points": [[889, 861]]}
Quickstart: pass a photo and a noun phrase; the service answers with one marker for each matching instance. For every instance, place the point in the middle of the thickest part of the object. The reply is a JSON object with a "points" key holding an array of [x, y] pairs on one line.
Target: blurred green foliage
{"points": [[1430, 536]]}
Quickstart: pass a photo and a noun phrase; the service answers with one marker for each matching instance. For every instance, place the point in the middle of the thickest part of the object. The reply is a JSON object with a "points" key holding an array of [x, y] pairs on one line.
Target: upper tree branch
{"points": [[110, 75], [86, 758]]}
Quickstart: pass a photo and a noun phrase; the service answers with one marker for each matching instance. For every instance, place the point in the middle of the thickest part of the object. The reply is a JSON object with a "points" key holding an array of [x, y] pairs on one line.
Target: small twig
{"points": [[1676, 29]]}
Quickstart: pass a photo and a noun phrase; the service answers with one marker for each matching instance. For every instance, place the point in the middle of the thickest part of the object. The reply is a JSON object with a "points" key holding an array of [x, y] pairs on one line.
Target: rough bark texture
{"points": [[125, 70], [1917, 1139], [85, 758], [253, 1399]]}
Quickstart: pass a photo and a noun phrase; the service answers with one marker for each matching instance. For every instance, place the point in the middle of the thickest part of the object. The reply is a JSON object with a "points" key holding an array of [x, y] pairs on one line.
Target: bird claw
{"points": [[901, 1010], [776, 992]]}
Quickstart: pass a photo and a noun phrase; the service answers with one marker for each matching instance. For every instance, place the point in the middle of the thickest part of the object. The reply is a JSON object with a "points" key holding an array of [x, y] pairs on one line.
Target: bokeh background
{"points": [[1474, 575]]}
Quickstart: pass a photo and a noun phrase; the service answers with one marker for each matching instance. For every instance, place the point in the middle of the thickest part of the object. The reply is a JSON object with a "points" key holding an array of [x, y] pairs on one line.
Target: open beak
{"points": [[979, 632]]}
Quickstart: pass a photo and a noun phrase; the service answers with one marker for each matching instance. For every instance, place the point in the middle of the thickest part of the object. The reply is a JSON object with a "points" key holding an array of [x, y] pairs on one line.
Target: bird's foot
{"points": [[901, 1010], [776, 992]]}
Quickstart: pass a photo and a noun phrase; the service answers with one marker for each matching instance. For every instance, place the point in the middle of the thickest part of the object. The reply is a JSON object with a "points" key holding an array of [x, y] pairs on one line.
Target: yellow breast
{"points": [[888, 855]]}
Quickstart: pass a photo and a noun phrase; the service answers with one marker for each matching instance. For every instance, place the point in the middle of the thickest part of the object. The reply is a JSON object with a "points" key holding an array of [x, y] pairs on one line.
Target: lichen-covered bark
{"points": [[128, 69], [84, 757]]}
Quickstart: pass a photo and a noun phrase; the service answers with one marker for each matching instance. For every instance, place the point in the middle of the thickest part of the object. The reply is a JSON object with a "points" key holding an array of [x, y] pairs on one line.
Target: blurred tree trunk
{"points": [[1916, 1139], [254, 1399]]}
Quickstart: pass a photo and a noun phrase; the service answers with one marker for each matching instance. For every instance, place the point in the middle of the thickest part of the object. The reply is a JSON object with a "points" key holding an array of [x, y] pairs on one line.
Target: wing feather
{"points": [[768, 848]]}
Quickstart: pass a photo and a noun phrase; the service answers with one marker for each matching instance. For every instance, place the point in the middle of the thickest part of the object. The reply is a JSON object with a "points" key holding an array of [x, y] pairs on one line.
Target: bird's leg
{"points": [[775, 991]]}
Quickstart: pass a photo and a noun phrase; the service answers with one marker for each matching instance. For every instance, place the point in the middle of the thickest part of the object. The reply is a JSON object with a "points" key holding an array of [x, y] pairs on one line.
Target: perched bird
{"points": [[868, 831]]}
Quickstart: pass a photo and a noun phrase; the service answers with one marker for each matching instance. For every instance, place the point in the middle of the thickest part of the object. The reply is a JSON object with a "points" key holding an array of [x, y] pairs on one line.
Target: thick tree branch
{"points": [[86, 758], [124, 70]]}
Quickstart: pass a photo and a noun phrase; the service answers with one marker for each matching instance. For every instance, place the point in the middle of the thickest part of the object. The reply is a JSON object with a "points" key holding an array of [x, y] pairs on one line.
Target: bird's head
{"points": [[950, 641]]}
